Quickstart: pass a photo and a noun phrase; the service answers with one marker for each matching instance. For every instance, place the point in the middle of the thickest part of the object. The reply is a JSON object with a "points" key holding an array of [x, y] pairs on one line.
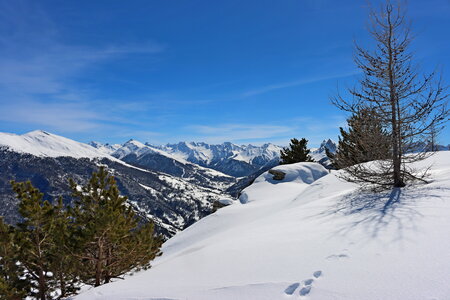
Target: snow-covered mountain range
{"points": [[228, 158], [174, 184], [141, 155], [309, 236], [232, 159], [173, 193]]}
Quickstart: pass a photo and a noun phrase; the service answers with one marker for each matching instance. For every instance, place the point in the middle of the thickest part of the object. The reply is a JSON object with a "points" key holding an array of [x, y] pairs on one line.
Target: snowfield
{"points": [[310, 236]]}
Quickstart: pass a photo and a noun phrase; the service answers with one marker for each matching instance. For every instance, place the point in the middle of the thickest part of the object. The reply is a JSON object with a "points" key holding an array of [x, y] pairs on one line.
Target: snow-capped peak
{"points": [[137, 148], [198, 152], [135, 143], [131, 147], [328, 144], [106, 148], [45, 144]]}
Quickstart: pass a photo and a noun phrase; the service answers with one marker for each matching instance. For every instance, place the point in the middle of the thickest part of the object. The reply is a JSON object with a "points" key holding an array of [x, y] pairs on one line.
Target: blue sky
{"points": [[165, 71]]}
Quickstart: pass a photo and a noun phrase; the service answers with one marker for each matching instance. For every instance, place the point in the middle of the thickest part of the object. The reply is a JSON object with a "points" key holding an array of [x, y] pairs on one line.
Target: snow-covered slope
{"points": [[105, 148], [134, 147], [308, 238], [44, 144]]}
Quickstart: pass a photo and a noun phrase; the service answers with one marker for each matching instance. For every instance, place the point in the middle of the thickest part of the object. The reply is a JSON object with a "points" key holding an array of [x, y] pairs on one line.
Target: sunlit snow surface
{"points": [[308, 238], [41, 143]]}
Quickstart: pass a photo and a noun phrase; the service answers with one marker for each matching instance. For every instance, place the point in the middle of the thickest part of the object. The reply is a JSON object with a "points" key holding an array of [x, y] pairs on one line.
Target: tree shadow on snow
{"points": [[395, 210]]}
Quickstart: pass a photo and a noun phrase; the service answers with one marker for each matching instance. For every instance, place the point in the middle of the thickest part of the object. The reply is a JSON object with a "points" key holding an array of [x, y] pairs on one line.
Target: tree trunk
{"points": [[98, 267], [108, 263], [41, 283], [62, 285], [396, 137], [411, 108]]}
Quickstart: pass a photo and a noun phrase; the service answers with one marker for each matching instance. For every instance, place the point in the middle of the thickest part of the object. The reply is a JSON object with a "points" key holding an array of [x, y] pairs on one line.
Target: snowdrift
{"points": [[309, 236], [265, 188]]}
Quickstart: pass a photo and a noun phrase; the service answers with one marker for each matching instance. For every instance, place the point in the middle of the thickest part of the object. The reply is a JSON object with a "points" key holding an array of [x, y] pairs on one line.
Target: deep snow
{"points": [[308, 237]]}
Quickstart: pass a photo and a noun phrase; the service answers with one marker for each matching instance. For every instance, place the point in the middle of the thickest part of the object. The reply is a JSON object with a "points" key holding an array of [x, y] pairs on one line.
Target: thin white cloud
{"points": [[299, 82], [238, 132], [39, 72], [49, 70], [278, 133], [67, 117]]}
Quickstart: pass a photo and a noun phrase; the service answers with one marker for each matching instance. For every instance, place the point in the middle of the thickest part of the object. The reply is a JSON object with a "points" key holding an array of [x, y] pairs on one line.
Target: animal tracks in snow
{"points": [[305, 291], [291, 289], [337, 256], [305, 286], [342, 255], [317, 274]]}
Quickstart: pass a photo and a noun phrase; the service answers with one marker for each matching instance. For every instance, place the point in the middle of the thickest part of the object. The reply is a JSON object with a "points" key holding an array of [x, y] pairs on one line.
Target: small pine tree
{"points": [[110, 239], [34, 239], [64, 265], [364, 140], [296, 152], [53, 249], [13, 282]]}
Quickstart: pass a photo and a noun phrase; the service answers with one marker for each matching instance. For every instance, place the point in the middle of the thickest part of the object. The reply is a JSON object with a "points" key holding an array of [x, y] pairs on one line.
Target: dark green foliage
{"points": [[34, 238], [296, 152], [42, 240], [331, 156], [55, 249], [107, 231], [13, 283], [364, 140], [64, 264]]}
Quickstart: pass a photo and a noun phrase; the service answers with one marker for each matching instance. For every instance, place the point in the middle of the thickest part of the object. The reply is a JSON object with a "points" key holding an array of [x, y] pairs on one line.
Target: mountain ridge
{"points": [[172, 200]]}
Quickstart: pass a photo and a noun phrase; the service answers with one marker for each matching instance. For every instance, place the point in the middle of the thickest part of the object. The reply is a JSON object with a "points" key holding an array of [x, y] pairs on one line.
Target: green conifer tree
{"points": [[111, 240], [64, 265], [364, 140], [296, 152], [34, 238], [13, 282]]}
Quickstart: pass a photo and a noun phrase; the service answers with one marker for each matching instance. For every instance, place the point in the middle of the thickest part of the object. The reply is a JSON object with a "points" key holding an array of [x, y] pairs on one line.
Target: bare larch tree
{"points": [[410, 106]]}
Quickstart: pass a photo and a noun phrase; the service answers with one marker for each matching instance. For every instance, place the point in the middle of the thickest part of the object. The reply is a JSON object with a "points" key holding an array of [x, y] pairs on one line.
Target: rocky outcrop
{"points": [[277, 175]]}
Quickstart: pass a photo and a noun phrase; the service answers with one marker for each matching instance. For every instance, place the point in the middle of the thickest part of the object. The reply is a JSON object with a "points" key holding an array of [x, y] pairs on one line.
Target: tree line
{"points": [[396, 107], [395, 111], [56, 249]]}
